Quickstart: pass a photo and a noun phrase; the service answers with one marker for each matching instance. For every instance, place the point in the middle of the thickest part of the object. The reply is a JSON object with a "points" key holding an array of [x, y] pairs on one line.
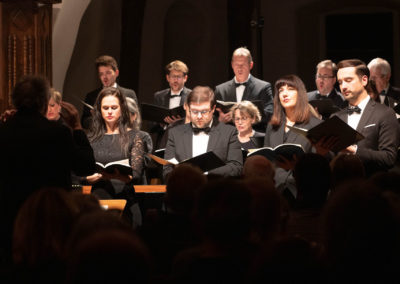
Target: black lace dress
{"points": [[108, 149]]}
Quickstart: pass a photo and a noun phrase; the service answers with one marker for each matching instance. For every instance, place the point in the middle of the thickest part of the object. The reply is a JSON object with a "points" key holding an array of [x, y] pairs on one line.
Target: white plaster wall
{"points": [[66, 19]]}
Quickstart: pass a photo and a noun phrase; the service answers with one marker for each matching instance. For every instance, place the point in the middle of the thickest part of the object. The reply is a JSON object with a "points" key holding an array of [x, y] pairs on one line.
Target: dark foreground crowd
{"points": [[343, 228]]}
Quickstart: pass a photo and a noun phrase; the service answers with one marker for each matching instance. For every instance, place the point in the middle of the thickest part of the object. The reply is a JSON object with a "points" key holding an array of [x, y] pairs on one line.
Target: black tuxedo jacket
{"points": [[393, 95], [378, 124], [223, 142], [161, 98], [255, 90], [86, 119]]}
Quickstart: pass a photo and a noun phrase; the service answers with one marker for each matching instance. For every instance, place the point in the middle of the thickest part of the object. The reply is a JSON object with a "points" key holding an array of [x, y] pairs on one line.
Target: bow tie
{"points": [[198, 130], [240, 84], [321, 97], [352, 109], [174, 96]]}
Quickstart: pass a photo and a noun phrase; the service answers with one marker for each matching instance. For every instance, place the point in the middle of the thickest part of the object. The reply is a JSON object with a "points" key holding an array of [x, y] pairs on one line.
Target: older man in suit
{"points": [[204, 134], [108, 72], [380, 73], [245, 86], [377, 122]]}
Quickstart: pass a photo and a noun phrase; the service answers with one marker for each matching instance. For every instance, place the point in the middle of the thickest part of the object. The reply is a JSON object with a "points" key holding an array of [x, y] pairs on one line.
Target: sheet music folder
{"points": [[158, 113], [206, 162]]}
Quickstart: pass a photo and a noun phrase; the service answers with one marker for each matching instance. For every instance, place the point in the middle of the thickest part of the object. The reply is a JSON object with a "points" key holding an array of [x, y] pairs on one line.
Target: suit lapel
{"points": [[231, 92], [213, 137], [165, 98], [366, 114], [248, 90], [187, 138]]}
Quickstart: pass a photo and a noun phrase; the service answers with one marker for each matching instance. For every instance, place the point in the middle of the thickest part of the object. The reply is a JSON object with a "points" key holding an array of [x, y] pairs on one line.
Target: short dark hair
{"points": [[106, 60], [201, 94], [361, 67], [31, 93]]}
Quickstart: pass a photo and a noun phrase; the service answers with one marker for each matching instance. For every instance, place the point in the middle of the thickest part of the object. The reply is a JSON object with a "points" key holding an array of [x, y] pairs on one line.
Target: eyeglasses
{"points": [[201, 112], [244, 118], [323, 77]]}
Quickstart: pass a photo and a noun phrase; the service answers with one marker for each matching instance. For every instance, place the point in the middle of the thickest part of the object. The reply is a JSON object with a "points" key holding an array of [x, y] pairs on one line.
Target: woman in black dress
{"points": [[113, 139]]}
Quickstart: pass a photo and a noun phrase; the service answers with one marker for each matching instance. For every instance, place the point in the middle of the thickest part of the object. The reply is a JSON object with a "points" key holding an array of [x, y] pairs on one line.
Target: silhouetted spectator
{"points": [[167, 232], [346, 167], [224, 219], [362, 234]]}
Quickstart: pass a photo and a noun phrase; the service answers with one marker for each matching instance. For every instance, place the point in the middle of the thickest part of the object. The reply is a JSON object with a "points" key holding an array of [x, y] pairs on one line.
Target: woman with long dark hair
{"points": [[113, 139]]}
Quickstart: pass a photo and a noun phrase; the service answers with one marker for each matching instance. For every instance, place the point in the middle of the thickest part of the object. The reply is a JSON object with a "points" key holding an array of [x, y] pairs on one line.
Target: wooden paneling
{"points": [[25, 41]]}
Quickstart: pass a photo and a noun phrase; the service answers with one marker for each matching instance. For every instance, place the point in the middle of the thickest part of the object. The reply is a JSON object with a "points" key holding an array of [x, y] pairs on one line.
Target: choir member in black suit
{"points": [[380, 73], [174, 96], [325, 80], [108, 72], [245, 86], [204, 134], [377, 122]]}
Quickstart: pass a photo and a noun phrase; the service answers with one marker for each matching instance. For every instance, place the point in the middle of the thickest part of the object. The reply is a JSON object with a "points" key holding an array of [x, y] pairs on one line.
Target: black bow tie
{"points": [[240, 84], [352, 109], [321, 97], [198, 130], [174, 96]]}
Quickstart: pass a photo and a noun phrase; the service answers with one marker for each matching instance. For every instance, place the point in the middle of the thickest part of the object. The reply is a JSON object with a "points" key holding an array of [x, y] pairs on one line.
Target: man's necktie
{"points": [[353, 109]]}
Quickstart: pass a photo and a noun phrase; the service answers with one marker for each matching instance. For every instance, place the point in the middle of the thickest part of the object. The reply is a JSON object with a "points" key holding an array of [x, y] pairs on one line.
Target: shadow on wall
{"points": [[99, 33]]}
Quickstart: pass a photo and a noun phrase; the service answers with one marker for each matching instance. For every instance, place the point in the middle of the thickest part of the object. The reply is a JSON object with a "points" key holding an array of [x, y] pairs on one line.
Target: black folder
{"points": [[158, 113]]}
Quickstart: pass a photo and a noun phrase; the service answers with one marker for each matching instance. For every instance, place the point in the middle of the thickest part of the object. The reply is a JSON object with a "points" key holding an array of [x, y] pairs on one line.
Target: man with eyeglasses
{"points": [[204, 134], [325, 79], [174, 96]]}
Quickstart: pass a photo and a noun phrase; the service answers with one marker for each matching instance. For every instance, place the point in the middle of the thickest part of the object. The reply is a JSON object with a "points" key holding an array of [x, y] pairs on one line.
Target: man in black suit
{"points": [[244, 86], [380, 73], [325, 79], [376, 122], [174, 96], [204, 134], [36, 152], [107, 69]]}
